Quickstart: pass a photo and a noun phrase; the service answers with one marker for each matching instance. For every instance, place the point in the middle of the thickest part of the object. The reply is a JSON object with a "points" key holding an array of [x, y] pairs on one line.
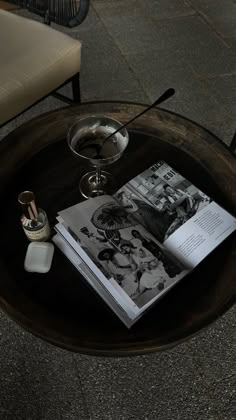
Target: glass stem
{"points": [[98, 175]]}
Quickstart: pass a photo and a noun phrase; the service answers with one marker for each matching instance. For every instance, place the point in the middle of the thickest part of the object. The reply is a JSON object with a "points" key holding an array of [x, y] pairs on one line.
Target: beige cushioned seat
{"points": [[34, 60]]}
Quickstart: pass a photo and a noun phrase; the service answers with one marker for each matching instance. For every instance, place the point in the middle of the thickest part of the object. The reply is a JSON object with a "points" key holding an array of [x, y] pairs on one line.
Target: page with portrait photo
{"points": [[185, 220], [130, 257]]}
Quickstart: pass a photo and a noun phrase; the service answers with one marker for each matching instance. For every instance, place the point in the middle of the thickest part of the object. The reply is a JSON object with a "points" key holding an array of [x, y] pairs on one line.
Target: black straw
{"points": [[166, 95]]}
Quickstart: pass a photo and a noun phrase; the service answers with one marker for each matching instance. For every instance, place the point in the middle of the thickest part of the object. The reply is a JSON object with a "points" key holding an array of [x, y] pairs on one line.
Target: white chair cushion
{"points": [[35, 60]]}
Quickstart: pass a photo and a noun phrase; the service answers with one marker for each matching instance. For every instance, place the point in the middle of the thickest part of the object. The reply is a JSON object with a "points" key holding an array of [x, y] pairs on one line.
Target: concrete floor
{"points": [[133, 50]]}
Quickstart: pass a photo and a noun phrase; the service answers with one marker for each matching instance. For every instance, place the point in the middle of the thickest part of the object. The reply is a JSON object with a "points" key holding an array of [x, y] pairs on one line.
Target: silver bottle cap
{"points": [[27, 202]]}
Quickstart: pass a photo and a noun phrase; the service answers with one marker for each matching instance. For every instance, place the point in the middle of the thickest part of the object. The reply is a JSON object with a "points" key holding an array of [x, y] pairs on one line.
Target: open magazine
{"points": [[134, 246]]}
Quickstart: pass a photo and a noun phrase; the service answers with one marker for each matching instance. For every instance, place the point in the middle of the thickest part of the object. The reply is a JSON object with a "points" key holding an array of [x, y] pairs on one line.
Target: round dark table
{"points": [[59, 306]]}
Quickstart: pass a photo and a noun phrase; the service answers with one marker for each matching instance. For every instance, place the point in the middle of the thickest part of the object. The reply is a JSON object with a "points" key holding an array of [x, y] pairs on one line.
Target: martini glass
{"points": [[86, 140]]}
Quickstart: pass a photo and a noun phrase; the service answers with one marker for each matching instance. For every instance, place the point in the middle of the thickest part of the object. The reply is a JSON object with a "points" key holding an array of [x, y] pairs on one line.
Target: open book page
{"points": [[201, 234], [73, 256], [130, 256], [184, 219], [102, 277]]}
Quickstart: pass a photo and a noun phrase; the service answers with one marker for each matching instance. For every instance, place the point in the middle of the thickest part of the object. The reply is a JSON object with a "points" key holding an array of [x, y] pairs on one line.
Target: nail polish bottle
{"points": [[34, 220]]}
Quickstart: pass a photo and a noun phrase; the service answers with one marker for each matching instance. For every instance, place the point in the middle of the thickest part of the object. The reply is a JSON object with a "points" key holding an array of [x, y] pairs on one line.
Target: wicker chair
{"points": [[63, 12]]}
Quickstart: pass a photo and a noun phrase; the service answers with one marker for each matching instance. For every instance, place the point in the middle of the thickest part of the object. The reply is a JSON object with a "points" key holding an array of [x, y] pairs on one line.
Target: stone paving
{"points": [[133, 50]]}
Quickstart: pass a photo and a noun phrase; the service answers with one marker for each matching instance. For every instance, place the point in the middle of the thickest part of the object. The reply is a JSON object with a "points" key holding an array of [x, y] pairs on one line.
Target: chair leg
{"points": [[233, 143], [76, 88], [75, 81]]}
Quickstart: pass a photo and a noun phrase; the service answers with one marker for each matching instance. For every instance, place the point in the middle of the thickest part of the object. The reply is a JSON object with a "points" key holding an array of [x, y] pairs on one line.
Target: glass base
{"points": [[89, 187]]}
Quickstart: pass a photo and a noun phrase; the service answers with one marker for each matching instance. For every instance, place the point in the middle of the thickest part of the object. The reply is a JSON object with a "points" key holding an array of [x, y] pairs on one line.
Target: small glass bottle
{"points": [[34, 220]]}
